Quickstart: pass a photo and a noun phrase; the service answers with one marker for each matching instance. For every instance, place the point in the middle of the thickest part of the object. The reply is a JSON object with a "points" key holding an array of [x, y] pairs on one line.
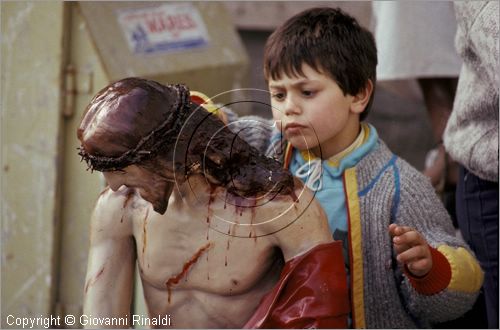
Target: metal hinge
{"points": [[85, 79]]}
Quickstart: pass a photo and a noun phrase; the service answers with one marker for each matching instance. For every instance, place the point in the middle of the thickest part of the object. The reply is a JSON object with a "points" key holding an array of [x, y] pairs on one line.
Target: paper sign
{"points": [[163, 28]]}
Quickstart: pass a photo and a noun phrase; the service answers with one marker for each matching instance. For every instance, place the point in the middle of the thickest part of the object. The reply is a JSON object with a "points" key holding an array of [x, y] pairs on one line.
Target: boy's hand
{"points": [[411, 249]]}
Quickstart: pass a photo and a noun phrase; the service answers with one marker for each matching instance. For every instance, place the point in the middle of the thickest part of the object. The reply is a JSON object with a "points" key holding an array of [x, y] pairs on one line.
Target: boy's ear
{"points": [[361, 99]]}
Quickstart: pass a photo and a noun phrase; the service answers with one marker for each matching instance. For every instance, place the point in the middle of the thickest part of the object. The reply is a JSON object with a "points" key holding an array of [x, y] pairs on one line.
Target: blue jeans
{"points": [[477, 217]]}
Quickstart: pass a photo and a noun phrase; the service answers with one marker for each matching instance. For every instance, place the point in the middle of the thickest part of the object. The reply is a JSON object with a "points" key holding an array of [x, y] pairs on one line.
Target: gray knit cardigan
{"points": [[392, 191]]}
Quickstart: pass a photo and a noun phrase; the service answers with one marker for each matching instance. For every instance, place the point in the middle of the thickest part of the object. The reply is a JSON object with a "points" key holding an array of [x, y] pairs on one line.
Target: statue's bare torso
{"points": [[209, 260]]}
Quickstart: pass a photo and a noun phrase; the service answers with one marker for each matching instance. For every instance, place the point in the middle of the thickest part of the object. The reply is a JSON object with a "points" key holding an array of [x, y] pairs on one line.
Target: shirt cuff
{"points": [[436, 280]]}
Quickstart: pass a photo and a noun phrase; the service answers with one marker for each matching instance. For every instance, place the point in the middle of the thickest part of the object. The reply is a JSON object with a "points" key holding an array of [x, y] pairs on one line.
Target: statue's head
{"points": [[131, 121], [146, 135]]}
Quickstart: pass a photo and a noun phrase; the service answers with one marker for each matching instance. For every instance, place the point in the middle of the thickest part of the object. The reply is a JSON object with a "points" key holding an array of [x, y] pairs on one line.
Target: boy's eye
{"points": [[278, 96], [307, 93]]}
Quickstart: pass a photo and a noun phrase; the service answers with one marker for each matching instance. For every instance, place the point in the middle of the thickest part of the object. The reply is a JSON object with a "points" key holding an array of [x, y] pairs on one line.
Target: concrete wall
{"points": [[32, 54]]}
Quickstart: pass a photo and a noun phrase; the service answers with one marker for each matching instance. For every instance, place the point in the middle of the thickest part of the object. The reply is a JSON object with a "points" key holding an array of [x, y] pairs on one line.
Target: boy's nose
{"points": [[291, 107]]}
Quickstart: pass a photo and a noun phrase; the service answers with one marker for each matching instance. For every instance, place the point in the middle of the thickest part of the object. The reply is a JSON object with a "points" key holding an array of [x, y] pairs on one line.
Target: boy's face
{"points": [[312, 111]]}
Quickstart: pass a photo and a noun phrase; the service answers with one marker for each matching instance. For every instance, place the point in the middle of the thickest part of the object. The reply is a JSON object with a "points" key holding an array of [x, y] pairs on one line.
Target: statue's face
{"points": [[151, 185]]}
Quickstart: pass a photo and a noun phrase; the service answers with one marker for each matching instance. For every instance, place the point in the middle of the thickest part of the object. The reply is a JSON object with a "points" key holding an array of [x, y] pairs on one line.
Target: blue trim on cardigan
{"points": [[392, 162], [397, 185], [397, 189]]}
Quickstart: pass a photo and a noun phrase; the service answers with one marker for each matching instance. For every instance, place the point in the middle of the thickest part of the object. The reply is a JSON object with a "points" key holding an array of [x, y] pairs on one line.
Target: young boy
{"points": [[406, 268]]}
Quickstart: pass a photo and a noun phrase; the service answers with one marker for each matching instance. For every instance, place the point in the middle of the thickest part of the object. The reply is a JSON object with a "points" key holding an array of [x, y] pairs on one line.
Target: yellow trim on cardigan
{"points": [[355, 237], [466, 274]]}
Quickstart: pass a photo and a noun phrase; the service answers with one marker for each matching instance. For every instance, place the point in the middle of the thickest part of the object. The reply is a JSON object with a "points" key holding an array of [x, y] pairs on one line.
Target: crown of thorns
{"points": [[149, 146]]}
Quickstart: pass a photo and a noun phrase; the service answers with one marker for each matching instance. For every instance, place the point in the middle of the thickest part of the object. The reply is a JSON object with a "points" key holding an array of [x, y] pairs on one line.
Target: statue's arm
{"points": [[110, 270], [304, 225], [312, 289]]}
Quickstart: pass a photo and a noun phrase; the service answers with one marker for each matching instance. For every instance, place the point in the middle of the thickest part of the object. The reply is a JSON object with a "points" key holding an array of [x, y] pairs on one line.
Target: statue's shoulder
{"points": [[112, 212], [120, 199], [298, 208]]}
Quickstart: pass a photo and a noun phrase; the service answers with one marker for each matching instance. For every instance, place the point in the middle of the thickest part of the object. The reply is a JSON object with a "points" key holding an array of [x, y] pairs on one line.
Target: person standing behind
{"points": [[471, 138], [405, 265]]}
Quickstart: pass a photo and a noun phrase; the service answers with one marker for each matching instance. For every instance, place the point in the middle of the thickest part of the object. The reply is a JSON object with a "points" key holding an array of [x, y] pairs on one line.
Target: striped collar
{"points": [[308, 155]]}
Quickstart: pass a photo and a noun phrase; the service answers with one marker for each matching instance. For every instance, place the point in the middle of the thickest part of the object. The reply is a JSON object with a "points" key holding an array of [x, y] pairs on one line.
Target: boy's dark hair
{"points": [[328, 40]]}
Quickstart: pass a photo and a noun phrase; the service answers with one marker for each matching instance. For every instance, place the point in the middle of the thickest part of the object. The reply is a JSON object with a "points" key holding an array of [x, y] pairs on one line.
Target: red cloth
{"points": [[436, 280], [311, 293]]}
